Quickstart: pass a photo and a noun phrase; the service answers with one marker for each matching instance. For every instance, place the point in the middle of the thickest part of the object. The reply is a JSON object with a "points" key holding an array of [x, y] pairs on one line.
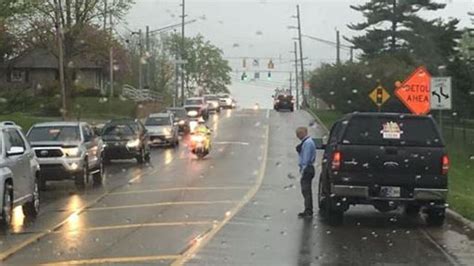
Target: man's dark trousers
{"points": [[306, 188]]}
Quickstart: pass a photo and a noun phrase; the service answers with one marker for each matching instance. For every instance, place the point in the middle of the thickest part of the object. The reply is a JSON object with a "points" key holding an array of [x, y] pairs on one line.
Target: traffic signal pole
{"points": [[300, 37]]}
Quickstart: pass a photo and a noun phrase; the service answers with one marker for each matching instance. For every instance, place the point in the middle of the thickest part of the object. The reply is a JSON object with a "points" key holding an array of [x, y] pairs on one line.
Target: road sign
{"points": [[441, 96], [379, 96], [415, 91]]}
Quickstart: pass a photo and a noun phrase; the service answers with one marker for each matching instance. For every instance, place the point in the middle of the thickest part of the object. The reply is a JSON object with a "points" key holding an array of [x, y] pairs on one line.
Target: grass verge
{"points": [[461, 176]]}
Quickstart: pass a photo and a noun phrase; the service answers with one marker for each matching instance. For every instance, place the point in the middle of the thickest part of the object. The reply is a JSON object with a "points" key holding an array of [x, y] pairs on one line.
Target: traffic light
{"points": [[269, 76], [244, 63], [243, 77], [257, 75], [271, 65]]}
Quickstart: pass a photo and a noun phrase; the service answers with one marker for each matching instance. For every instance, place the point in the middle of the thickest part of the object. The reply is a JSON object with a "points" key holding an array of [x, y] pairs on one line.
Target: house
{"points": [[38, 69]]}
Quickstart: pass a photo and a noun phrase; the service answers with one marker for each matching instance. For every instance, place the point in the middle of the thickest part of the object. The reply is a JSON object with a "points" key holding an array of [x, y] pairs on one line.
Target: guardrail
{"points": [[144, 95]]}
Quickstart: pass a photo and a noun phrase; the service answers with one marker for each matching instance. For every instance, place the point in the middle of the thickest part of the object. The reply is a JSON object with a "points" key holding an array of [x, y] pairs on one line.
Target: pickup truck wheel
{"points": [[81, 180], [436, 217], [31, 208], [7, 207], [321, 199]]}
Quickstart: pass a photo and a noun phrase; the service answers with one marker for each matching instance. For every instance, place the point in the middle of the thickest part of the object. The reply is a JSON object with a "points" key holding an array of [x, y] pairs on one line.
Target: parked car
{"points": [[19, 174], [180, 118], [213, 103], [67, 150], [197, 107], [385, 160], [284, 101], [126, 139], [226, 101], [162, 129]]}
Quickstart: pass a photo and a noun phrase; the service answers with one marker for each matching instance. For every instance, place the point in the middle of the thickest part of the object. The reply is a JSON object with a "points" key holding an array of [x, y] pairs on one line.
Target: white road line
{"points": [[198, 245], [268, 113], [176, 189], [114, 260], [158, 204], [231, 143]]}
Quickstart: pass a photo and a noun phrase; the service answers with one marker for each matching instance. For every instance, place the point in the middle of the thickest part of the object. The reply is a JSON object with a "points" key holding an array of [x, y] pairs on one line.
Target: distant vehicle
{"points": [[19, 174], [197, 107], [67, 150], [162, 130], [180, 118], [385, 160], [226, 101], [284, 101], [126, 139], [213, 102]]}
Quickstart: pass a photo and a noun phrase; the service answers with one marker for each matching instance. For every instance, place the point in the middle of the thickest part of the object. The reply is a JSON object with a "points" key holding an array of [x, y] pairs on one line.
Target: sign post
{"points": [[379, 96], [441, 96], [415, 92]]}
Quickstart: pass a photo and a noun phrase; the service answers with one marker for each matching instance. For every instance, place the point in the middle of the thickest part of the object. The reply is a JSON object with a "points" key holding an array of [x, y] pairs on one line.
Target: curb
{"points": [[459, 218], [449, 212]]}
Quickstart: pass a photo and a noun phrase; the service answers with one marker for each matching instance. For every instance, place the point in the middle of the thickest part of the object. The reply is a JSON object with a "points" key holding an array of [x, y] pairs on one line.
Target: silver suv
{"points": [[67, 150], [19, 174]]}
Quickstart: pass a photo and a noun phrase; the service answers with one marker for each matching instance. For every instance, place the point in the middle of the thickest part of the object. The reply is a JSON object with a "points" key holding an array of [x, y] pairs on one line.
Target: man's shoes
{"points": [[305, 214]]}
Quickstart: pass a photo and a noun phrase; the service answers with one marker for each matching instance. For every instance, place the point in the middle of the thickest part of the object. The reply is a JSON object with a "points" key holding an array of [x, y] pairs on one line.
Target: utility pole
{"points": [[140, 65], [338, 48], [105, 15], [147, 48], [183, 16], [59, 36], [296, 77], [291, 83], [352, 54], [111, 54], [300, 37]]}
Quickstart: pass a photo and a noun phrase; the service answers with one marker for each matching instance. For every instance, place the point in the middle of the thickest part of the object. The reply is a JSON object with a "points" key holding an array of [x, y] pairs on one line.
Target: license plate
{"points": [[390, 192]]}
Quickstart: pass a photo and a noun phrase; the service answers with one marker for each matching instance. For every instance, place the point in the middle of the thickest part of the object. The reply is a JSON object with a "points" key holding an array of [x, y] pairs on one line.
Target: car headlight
{"points": [[133, 143], [181, 123], [72, 152], [192, 113]]}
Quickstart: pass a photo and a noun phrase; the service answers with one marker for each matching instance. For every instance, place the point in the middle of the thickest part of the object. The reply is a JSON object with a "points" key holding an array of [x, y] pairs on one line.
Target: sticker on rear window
{"points": [[391, 130]]}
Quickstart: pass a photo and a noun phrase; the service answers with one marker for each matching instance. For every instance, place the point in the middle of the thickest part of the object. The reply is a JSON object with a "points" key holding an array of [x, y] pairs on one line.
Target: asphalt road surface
{"points": [[236, 207]]}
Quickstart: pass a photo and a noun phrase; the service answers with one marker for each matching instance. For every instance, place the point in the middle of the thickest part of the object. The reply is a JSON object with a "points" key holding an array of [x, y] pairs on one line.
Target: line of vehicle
{"points": [[16, 248], [114, 260], [130, 226], [192, 250], [158, 204], [178, 189]]}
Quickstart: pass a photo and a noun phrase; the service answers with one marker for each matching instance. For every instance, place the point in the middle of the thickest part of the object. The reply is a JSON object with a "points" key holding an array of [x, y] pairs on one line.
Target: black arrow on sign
{"points": [[437, 95], [446, 96]]}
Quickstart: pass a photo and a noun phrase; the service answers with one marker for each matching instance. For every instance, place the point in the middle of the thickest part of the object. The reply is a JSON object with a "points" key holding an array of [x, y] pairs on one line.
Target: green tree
{"points": [[206, 68], [387, 24]]}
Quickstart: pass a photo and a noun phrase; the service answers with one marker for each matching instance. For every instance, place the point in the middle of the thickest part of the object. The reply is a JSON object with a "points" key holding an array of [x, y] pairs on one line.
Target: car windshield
{"points": [[393, 131], [157, 121], [118, 130], [54, 133], [179, 113], [211, 98], [194, 102]]}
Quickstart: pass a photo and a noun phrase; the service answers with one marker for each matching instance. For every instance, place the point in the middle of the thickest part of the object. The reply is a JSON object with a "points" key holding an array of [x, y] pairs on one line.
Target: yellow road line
{"points": [[177, 189], [113, 260], [171, 203], [128, 226], [16, 248], [198, 245]]}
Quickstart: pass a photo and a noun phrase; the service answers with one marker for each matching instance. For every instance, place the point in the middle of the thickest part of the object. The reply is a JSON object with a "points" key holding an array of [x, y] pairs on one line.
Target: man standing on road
{"points": [[307, 155]]}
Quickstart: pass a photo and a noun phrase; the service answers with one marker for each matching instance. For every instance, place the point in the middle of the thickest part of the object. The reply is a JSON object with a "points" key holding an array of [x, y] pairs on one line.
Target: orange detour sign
{"points": [[415, 92]]}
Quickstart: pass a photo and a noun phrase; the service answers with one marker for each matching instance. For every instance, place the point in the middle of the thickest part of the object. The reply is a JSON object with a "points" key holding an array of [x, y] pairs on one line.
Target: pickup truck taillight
{"points": [[444, 165], [336, 160]]}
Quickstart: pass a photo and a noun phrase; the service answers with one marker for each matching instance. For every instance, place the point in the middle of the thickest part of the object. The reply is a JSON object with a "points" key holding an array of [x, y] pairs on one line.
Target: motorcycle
{"points": [[200, 144]]}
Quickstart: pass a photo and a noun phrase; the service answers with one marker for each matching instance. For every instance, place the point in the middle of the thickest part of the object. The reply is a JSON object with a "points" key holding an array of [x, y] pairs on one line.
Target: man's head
{"points": [[301, 132]]}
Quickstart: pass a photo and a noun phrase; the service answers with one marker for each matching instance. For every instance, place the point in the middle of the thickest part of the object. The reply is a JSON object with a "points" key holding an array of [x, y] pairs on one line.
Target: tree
{"points": [[388, 24], [206, 68], [78, 19], [8, 9]]}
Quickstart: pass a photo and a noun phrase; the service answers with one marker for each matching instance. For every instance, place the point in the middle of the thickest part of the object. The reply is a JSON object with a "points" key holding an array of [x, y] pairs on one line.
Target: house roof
{"points": [[42, 58]]}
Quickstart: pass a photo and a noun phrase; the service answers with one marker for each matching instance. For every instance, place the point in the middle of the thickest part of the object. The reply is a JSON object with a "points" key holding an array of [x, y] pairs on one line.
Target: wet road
{"points": [[236, 207]]}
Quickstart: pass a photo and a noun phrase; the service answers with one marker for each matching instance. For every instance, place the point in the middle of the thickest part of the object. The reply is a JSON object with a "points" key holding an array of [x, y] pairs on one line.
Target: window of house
{"points": [[17, 76]]}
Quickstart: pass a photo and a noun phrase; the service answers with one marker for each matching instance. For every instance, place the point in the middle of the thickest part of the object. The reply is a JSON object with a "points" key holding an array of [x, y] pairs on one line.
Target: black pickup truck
{"points": [[386, 160]]}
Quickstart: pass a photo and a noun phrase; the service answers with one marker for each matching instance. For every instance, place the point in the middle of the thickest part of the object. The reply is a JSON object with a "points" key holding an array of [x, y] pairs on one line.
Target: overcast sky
{"points": [[260, 27]]}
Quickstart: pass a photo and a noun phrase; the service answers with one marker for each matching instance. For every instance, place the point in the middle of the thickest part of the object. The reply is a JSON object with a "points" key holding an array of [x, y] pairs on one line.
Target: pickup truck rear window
{"points": [[392, 131]]}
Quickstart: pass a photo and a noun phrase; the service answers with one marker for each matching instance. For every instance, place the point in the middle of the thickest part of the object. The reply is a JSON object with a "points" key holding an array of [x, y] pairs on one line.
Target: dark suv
{"points": [[385, 160], [126, 139], [284, 101]]}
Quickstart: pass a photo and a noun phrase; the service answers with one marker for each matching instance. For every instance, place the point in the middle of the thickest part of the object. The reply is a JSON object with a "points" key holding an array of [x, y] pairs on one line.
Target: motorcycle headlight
{"points": [[197, 138], [133, 143], [181, 123], [72, 152], [192, 113]]}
